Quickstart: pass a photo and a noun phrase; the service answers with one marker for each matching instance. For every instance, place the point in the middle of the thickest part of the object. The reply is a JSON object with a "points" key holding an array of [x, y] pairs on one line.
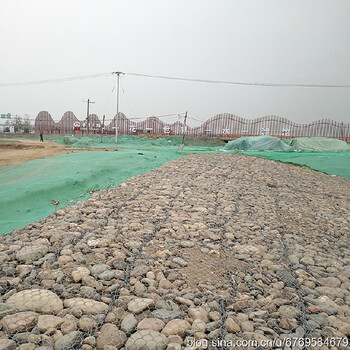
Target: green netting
{"points": [[332, 163], [69, 140], [318, 144], [27, 189], [132, 141], [84, 142], [258, 143]]}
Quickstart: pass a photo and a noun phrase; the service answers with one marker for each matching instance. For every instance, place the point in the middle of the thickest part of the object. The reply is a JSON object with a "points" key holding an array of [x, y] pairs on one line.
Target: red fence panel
{"points": [[221, 125]]}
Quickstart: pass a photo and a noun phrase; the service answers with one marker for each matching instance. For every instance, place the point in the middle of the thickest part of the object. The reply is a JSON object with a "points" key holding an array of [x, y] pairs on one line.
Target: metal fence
{"points": [[225, 125]]}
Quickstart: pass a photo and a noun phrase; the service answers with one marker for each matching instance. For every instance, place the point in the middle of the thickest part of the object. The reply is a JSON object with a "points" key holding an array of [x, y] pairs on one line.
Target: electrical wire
{"points": [[108, 101], [197, 120], [239, 82], [173, 115], [93, 76], [157, 116], [60, 80], [126, 98]]}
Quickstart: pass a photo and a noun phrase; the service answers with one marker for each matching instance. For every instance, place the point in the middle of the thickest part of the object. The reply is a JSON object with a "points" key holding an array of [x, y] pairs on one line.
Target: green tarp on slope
{"points": [[331, 163], [133, 141], [319, 144], [28, 188], [258, 143], [68, 140]]}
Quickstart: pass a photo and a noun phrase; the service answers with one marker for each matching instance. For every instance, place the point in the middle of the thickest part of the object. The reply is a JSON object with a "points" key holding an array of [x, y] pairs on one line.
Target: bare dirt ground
{"points": [[16, 151]]}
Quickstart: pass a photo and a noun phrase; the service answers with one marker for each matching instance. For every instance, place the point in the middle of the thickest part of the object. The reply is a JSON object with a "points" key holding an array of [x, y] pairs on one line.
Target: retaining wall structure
{"points": [[226, 126]]}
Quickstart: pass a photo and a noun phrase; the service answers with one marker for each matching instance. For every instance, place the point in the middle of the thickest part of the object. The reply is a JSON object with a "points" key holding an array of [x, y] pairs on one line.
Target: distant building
{"points": [[4, 127]]}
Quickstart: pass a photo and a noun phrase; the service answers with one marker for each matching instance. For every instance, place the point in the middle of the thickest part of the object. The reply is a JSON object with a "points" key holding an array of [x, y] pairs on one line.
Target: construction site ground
{"points": [[208, 249]]}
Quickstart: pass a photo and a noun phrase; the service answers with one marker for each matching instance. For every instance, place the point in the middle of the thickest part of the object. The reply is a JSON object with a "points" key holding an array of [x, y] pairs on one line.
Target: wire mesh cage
{"points": [[225, 253]]}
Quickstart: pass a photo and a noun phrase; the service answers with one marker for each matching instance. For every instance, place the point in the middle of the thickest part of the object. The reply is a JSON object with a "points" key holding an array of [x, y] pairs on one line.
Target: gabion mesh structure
{"points": [[207, 252]]}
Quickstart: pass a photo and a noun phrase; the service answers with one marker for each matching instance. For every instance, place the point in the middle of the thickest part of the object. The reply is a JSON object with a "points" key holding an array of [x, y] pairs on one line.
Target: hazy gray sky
{"points": [[290, 41]]}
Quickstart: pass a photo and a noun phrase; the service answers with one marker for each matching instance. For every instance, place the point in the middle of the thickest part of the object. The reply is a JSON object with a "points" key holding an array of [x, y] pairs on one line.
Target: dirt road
{"points": [[16, 151]]}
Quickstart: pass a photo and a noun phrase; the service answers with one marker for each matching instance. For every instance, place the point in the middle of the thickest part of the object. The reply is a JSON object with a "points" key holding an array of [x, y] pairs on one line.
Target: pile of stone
{"points": [[207, 248]]}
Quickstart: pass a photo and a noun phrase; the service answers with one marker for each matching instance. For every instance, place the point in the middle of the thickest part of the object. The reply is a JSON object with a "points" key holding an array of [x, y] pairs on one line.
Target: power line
{"points": [[93, 76], [59, 80], [239, 82], [108, 101], [126, 98], [173, 115], [158, 116], [197, 120]]}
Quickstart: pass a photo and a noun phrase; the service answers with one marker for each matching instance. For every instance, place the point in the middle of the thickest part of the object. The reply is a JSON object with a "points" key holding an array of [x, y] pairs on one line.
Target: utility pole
{"points": [[117, 116], [87, 114], [103, 126], [183, 134]]}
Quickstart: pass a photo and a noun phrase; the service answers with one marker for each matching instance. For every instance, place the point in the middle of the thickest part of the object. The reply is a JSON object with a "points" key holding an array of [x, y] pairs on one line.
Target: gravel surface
{"points": [[213, 248]]}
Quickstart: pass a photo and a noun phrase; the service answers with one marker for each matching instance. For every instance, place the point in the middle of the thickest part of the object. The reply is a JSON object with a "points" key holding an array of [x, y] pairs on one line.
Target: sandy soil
{"points": [[16, 151]]}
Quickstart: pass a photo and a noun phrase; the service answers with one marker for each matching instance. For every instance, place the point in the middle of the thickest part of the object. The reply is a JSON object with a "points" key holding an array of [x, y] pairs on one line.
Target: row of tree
{"points": [[20, 124]]}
